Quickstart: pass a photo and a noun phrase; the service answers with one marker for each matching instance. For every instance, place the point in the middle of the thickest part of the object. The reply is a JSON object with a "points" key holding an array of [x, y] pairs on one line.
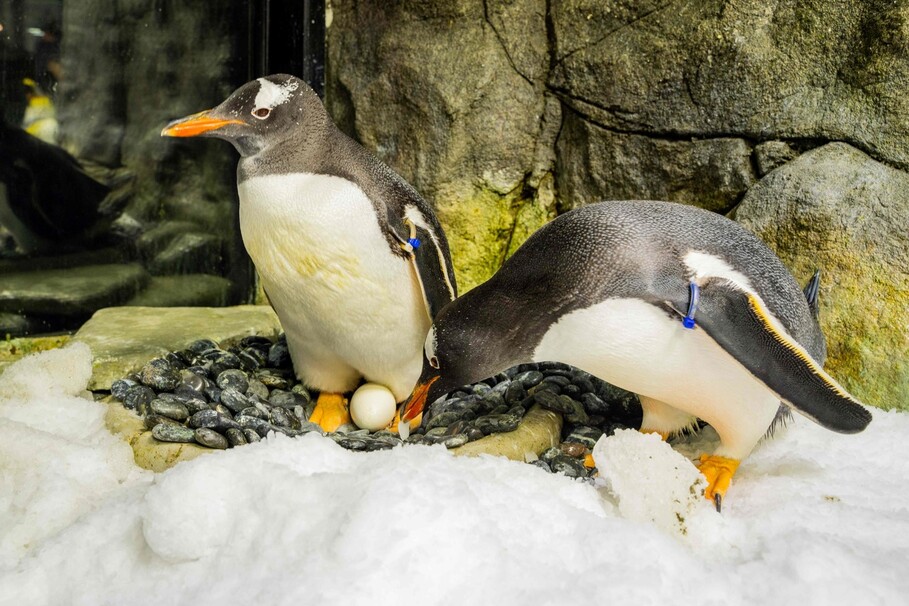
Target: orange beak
{"points": [[417, 400], [196, 124]]}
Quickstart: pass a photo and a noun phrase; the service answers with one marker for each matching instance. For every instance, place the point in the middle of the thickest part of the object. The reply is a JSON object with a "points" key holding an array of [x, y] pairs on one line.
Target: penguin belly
{"points": [[637, 346], [350, 308]]}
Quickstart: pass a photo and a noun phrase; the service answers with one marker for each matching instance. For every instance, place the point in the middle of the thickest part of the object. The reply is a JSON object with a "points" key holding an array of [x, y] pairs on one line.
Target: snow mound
{"points": [[652, 482]]}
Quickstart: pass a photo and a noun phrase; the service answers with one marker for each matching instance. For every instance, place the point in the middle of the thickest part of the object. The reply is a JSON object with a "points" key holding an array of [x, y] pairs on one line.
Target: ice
{"points": [[651, 481], [812, 517]]}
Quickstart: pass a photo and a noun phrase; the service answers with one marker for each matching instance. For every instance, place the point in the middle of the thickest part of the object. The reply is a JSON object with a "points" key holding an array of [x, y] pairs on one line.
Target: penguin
{"points": [[679, 305], [352, 259]]}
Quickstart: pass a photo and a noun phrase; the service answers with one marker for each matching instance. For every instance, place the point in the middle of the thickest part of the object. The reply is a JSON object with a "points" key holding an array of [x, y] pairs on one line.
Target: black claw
{"points": [[718, 501]]}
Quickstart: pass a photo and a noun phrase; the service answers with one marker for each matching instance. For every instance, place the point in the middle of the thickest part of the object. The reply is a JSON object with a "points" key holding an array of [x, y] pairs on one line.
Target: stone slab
{"points": [[122, 339], [540, 430]]}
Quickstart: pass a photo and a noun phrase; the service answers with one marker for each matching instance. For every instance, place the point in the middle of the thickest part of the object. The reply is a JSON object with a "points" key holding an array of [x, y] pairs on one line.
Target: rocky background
{"points": [[790, 116]]}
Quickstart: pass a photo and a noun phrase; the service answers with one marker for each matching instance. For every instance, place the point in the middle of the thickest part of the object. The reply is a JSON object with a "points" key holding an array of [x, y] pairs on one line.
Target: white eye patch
{"points": [[272, 95]]}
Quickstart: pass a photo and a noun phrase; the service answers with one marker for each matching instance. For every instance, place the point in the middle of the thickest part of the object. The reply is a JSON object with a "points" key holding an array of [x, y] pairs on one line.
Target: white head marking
{"points": [[272, 95]]}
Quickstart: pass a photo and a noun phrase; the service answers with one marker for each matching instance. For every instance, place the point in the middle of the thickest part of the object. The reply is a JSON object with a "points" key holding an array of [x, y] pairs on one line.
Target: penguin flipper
{"points": [[741, 324]]}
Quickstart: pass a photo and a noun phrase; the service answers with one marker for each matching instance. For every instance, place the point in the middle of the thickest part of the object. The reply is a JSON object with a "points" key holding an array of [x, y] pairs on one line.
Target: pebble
{"points": [[550, 401], [119, 388], [171, 432], [251, 436], [234, 378], [573, 449], [568, 466], [234, 400], [152, 419], [588, 436], [257, 388], [210, 438], [212, 419], [236, 437], [159, 374], [138, 397], [497, 423], [279, 355], [529, 378], [171, 410]]}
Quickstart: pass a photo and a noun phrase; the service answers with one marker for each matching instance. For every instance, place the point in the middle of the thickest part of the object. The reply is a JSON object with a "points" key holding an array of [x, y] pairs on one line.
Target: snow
{"points": [[812, 517]]}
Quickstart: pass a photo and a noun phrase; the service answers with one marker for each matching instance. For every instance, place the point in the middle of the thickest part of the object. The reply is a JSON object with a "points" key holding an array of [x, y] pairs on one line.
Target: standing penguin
{"points": [[679, 305], [352, 259]]}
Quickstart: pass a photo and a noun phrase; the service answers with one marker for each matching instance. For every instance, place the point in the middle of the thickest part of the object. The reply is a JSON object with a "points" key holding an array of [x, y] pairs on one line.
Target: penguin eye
{"points": [[434, 362], [261, 112]]}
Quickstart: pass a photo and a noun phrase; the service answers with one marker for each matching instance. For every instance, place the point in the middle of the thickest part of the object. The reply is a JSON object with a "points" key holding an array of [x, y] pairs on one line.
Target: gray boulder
{"points": [[837, 209]]}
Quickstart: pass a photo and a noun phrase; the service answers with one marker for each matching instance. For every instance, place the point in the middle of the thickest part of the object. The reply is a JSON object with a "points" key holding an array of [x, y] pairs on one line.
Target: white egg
{"points": [[372, 406]]}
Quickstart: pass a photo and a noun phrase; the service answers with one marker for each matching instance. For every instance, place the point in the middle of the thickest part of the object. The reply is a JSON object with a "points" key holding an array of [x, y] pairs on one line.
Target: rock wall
{"points": [[505, 112]]}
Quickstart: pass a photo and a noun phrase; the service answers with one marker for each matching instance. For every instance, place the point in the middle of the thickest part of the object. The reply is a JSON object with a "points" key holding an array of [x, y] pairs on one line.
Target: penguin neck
{"points": [[309, 149]]}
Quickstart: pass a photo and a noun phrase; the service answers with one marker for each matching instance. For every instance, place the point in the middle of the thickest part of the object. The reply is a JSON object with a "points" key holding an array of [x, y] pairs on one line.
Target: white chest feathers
{"points": [[348, 305]]}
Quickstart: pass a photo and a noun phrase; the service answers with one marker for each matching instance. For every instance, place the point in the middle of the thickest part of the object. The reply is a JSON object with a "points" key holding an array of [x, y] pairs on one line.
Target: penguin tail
{"points": [[741, 324], [812, 290]]}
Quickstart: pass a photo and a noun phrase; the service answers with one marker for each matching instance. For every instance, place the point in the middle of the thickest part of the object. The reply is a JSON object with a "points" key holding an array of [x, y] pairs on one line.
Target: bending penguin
{"points": [[679, 305], [352, 259]]}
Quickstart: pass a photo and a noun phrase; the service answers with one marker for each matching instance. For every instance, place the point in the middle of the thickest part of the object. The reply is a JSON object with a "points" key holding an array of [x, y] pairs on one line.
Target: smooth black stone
{"points": [[594, 405], [568, 466], [518, 411], [235, 437], [529, 378], [584, 384], [416, 438], [549, 366], [212, 419], [184, 392], [459, 427], [170, 432], [202, 345], [211, 438], [234, 399], [213, 393], [159, 374], [286, 399], [501, 386], [224, 362], [550, 387], [577, 416], [279, 355], [252, 411], [585, 435], [474, 434], [194, 405], [221, 409], [261, 426], [481, 388], [175, 360], [152, 419], [351, 443], [119, 388], [257, 341], [272, 379], [550, 401], [374, 445], [497, 423], [559, 380], [257, 388], [571, 390], [455, 441], [515, 393], [198, 370], [488, 402], [558, 372], [233, 378], [138, 397], [550, 453], [171, 410], [445, 419], [596, 420], [279, 418], [248, 360], [251, 436], [301, 391]]}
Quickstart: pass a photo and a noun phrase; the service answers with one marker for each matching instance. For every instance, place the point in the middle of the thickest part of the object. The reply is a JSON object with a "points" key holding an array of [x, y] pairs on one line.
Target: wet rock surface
{"points": [[227, 395]]}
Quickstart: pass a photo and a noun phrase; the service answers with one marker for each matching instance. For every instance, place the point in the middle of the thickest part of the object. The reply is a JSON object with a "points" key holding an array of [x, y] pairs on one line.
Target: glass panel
{"points": [[96, 208]]}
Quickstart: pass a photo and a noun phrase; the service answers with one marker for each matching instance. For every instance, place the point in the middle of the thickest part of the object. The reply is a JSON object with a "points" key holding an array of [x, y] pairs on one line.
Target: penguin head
{"points": [[257, 116], [463, 346]]}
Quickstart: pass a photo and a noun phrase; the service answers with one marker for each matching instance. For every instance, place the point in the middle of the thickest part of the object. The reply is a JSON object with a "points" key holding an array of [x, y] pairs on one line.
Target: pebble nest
{"points": [[226, 397]]}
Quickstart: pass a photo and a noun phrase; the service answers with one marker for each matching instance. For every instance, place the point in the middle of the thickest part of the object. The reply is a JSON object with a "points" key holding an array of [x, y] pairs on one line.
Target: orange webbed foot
{"points": [[331, 411], [718, 471]]}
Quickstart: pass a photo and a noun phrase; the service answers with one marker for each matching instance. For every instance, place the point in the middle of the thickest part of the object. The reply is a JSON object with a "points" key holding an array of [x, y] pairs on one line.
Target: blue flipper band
{"points": [[414, 242], [694, 295]]}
